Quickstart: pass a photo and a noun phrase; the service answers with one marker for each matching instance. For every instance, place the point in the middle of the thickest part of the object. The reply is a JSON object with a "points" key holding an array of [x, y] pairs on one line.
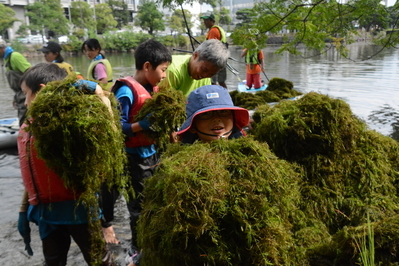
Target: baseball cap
{"points": [[209, 98], [208, 16], [51, 47]]}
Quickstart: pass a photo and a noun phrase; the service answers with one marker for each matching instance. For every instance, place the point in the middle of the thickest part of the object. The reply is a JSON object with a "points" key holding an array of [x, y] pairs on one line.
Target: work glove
{"points": [[85, 84], [24, 230], [145, 124]]}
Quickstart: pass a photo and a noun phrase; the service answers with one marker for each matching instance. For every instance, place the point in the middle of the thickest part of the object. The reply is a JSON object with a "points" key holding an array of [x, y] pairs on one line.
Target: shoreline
{"points": [[11, 243]]}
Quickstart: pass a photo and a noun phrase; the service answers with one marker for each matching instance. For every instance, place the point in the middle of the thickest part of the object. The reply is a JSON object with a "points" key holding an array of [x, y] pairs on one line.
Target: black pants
{"points": [[19, 99], [56, 244], [107, 202], [139, 169]]}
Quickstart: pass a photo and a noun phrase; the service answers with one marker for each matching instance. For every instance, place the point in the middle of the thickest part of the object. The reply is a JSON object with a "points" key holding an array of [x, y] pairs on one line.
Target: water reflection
{"points": [[385, 117]]}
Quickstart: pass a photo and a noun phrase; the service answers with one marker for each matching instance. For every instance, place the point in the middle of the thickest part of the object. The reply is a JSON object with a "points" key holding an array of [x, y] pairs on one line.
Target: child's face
{"points": [[154, 76], [29, 95], [213, 125], [200, 69], [91, 54], [50, 56]]}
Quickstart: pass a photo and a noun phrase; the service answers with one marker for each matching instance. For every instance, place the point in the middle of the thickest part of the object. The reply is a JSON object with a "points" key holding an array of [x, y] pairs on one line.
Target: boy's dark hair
{"points": [[92, 44], [42, 74], [152, 51]]}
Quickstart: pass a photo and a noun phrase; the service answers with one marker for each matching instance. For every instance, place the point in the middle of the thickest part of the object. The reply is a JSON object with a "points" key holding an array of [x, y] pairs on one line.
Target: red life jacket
{"points": [[41, 183], [140, 94]]}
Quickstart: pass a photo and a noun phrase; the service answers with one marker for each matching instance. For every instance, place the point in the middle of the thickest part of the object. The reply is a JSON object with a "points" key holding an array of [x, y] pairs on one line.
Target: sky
{"points": [[197, 8]]}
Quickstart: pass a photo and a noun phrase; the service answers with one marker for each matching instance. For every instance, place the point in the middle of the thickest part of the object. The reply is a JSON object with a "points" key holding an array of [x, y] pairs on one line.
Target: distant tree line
{"points": [[308, 22]]}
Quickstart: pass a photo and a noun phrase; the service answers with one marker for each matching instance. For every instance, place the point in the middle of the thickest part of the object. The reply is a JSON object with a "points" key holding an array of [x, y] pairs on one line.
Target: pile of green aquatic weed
{"points": [[284, 89], [278, 89], [80, 139], [349, 169], [247, 100], [229, 202], [346, 242], [167, 112]]}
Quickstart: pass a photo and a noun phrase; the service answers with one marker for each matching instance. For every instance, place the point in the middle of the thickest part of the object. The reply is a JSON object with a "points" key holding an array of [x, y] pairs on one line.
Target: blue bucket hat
{"points": [[209, 98]]}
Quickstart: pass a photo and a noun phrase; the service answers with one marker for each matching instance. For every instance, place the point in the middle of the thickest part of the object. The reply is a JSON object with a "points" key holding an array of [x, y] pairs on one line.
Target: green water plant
{"points": [[366, 245], [166, 112], [296, 191], [349, 170], [224, 203], [278, 89]]}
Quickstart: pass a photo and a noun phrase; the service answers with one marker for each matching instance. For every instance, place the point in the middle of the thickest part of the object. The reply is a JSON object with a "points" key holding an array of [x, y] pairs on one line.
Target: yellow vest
{"points": [[108, 69], [66, 66], [222, 33]]}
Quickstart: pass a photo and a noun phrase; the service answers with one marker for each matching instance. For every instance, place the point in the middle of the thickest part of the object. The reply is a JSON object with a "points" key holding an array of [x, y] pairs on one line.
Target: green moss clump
{"points": [[346, 243], [278, 89], [269, 96], [167, 111], [79, 138], [224, 203], [246, 100], [315, 124], [349, 169], [303, 202]]}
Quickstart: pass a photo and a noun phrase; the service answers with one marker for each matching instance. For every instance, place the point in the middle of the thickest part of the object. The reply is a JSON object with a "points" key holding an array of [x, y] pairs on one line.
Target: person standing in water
{"points": [[254, 61], [100, 68]]}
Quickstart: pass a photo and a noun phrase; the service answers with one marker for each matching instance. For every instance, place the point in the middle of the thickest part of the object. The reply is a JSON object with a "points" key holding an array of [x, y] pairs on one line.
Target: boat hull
{"points": [[243, 88], [9, 128]]}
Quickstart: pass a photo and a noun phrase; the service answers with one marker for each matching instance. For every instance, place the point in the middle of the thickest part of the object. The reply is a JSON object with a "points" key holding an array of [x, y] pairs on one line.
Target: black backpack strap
{"points": [[8, 64]]}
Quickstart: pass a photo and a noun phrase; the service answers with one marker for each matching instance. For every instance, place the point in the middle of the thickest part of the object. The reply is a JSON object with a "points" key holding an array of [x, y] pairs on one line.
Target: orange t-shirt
{"points": [[214, 33], [255, 68]]}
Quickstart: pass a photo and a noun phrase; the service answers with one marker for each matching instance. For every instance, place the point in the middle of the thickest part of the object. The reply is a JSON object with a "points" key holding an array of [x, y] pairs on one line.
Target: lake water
{"points": [[370, 87]]}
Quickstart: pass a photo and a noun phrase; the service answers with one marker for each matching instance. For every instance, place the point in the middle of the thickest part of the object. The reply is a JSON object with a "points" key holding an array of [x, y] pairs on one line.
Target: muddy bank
{"points": [[12, 247]]}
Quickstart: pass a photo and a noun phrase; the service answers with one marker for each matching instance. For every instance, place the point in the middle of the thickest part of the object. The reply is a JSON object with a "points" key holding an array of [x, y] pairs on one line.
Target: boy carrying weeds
{"points": [[152, 61], [48, 200], [212, 115]]}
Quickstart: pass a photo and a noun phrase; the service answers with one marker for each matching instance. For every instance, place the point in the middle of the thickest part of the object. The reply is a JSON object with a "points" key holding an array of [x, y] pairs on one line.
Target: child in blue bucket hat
{"points": [[211, 115]]}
